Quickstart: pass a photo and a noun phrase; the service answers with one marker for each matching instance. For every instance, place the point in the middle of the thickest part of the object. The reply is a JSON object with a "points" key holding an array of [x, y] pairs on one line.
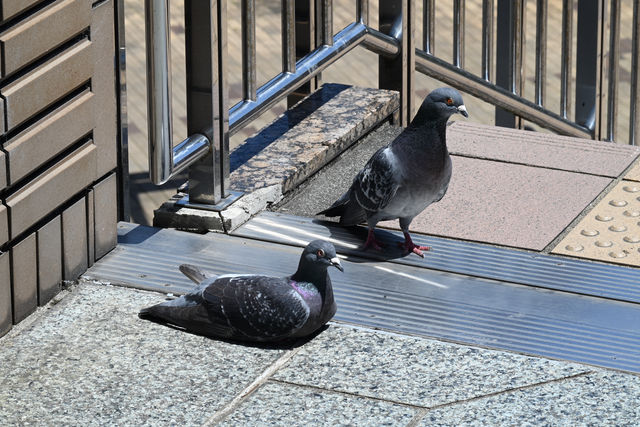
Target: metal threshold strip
{"points": [[404, 295], [474, 259]]}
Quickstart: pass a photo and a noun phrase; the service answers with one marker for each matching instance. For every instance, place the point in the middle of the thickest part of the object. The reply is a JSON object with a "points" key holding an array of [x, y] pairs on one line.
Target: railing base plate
{"points": [[221, 205]]}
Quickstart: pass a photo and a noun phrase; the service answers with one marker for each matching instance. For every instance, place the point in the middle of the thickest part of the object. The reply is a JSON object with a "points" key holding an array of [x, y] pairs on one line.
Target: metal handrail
{"points": [[595, 112], [164, 160]]}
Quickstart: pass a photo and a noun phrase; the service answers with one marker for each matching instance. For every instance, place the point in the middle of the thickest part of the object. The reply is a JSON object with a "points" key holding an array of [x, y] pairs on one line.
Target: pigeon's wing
{"points": [[376, 183], [257, 307]]}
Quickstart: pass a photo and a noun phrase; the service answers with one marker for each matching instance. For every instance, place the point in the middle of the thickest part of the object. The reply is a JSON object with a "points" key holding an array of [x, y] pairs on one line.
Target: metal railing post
{"points": [[634, 113], [509, 58], [306, 40], [206, 149], [612, 70], [588, 65], [207, 105], [396, 18]]}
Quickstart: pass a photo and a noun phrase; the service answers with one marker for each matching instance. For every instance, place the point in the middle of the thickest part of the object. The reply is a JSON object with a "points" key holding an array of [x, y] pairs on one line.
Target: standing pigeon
{"points": [[403, 178], [256, 308]]}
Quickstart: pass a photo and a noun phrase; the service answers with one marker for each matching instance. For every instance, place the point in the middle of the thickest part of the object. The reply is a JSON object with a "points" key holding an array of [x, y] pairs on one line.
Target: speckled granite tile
{"points": [[540, 149], [412, 370], [277, 404], [304, 139], [507, 204], [90, 361], [602, 398]]}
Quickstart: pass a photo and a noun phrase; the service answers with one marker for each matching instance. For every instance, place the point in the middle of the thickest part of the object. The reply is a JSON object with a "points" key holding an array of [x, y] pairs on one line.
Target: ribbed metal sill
{"points": [[406, 295]]}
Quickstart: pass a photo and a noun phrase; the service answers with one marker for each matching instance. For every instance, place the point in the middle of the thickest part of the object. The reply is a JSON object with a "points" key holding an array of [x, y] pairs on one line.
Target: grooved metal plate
{"points": [[611, 231], [399, 297], [474, 259]]}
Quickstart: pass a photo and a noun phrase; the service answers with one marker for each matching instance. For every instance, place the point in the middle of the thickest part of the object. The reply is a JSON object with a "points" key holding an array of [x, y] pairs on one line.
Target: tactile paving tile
{"points": [[611, 231], [634, 172]]}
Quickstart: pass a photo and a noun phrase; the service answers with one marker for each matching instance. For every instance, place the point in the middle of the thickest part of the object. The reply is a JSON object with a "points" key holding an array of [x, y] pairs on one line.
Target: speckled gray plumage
{"points": [[254, 307], [403, 178]]}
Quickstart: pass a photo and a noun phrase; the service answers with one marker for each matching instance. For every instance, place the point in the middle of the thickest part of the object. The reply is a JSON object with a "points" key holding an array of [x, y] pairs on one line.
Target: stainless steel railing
{"points": [[594, 97]]}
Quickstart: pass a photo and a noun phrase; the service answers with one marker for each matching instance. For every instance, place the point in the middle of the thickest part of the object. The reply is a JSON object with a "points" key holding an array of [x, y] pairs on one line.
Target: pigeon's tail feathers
{"points": [[337, 208], [194, 273], [334, 210], [187, 312], [149, 313], [349, 211]]}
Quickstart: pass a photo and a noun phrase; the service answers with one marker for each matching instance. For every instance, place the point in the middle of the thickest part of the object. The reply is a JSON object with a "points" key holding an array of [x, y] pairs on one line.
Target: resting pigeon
{"points": [[256, 308], [403, 178]]}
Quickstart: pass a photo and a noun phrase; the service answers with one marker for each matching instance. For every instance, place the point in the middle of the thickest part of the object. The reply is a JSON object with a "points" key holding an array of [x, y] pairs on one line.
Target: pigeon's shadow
{"points": [[286, 344], [357, 234]]}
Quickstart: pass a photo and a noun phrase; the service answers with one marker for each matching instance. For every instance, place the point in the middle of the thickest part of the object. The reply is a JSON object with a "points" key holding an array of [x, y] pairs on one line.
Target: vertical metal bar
{"points": [[202, 96], [541, 51], [458, 33], [614, 59], [567, 59], [588, 64], [124, 210], [362, 11], [634, 120], [248, 17], [396, 19], [487, 38], [288, 36], [158, 88], [306, 40], [222, 95], [327, 22], [509, 58], [429, 26]]}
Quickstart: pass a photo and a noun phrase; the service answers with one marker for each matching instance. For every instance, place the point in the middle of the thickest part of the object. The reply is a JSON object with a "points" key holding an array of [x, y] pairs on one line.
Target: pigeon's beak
{"points": [[463, 110], [336, 263]]}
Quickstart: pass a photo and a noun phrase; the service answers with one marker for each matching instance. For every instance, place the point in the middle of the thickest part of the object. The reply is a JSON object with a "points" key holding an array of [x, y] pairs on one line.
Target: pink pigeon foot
{"points": [[409, 246], [372, 242]]}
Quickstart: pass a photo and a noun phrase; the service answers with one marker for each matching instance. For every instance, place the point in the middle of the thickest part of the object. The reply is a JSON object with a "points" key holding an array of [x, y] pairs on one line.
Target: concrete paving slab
{"points": [[277, 404], [89, 360], [596, 399], [540, 149], [487, 201], [507, 204], [611, 230], [411, 370]]}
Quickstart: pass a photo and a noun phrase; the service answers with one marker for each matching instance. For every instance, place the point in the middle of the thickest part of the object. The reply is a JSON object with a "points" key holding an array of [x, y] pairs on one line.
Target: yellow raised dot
{"points": [[618, 228], [574, 248], [631, 189], [604, 218], [631, 239], [618, 203], [604, 243], [632, 214], [589, 233]]}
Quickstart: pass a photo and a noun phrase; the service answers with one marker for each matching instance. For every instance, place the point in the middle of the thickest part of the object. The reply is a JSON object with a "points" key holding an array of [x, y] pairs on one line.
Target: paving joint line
{"points": [[511, 162], [423, 409], [346, 393], [227, 409], [510, 390]]}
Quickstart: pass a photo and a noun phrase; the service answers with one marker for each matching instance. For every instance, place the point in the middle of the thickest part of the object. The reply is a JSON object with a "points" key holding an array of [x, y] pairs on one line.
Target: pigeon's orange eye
{"points": [[320, 253], [449, 101]]}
